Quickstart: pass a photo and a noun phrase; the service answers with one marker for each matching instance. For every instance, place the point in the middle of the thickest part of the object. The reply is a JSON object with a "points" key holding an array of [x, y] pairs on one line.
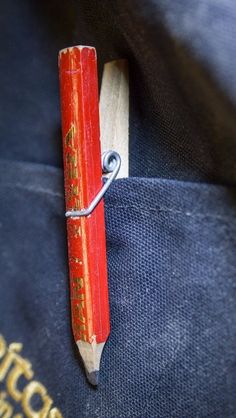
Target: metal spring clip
{"points": [[111, 163]]}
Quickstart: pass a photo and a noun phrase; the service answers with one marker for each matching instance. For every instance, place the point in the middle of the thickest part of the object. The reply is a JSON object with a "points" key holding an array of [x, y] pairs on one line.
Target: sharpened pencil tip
{"points": [[93, 377], [91, 355]]}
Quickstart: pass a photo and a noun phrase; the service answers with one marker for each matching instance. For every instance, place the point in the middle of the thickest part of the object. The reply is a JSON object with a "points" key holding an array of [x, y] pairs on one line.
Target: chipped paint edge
{"points": [[70, 49]]}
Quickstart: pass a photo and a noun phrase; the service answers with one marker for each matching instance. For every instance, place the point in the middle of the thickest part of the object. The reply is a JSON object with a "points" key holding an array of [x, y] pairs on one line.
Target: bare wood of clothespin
{"points": [[114, 111]]}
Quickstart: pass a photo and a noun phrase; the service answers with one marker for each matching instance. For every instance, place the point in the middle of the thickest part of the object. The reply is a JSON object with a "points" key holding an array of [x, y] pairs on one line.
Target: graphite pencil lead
{"points": [[93, 377], [91, 356]]}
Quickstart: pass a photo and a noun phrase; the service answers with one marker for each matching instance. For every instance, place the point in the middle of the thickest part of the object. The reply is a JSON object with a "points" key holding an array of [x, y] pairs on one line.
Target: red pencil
{"points": [[82, 175]]}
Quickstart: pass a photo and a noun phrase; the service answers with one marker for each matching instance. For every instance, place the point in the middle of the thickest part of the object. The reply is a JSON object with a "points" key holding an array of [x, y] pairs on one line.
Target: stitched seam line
{"points": [[140, 209], [145, 210]]}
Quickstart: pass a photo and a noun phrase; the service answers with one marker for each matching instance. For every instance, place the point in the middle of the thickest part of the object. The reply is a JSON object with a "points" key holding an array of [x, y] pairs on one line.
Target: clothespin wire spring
{"points": [[111, 163]]}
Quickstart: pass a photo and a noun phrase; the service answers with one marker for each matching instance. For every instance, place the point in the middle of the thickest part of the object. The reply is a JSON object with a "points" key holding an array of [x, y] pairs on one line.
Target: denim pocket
{"points": [[172, 267]]}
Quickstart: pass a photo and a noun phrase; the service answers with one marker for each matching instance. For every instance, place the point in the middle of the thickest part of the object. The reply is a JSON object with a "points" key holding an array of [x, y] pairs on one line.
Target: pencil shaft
{"points": [[82, 168]]}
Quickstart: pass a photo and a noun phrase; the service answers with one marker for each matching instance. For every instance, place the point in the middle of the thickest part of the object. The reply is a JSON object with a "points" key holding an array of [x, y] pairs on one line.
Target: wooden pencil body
{"points": [[82, 168]]}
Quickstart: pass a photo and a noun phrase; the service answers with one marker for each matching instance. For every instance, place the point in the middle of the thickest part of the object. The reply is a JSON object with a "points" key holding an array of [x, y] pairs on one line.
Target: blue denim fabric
{"points": [[171, 235], [172, 266], [182, 77]]}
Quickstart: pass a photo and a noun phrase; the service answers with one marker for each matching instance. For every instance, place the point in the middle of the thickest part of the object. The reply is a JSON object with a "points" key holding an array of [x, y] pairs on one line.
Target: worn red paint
{"points": [[82, 172]]}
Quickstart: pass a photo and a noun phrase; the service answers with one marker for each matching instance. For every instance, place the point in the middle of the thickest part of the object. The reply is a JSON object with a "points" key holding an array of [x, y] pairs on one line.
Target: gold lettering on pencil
{"points": [[77, 204], [13, 367], [74, 230], [75, 260], [80, 327], [79, 282], [80, 331], [79, 308], [69, 138], [80, 296], [72, 172], [71, 159], [77, 231], [72, 191], [71, 164], [74, 293], [77, 286]]}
